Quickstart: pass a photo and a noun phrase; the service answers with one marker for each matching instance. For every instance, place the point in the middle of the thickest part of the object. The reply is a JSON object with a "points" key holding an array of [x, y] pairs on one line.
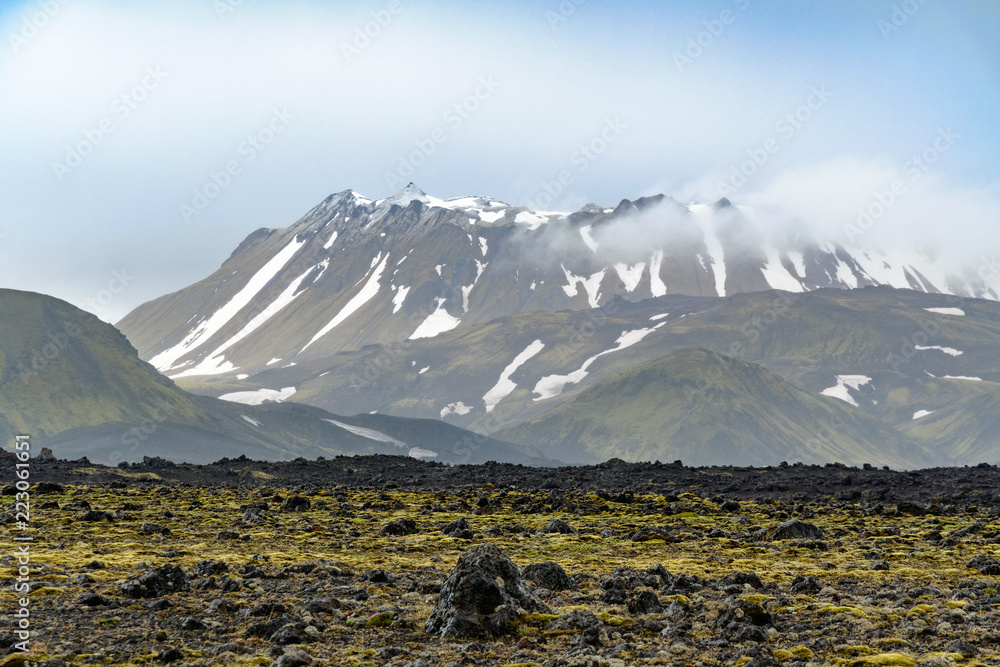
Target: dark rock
{"points": [[652, 533], [265, 629], [985, 564], [614, 596], [878, 565], [644, 602], [375, 576], [481, 596], [548, 575], [91, 599], [94, 515], [289, 634], [805, 585], [557, 526], [296, 504], [575, 620], [459, 529], [153, 529], [399, 527], [221, 606], [160, 604], [293, 657], [793, 529], [170, 655], [965, 648], [739, 578], [192, 624], [730, 506], [156, 582], [210, 568]]}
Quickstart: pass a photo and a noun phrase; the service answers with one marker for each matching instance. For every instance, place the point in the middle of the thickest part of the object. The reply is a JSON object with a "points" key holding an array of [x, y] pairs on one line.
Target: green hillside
{"points": [[703, 407]]}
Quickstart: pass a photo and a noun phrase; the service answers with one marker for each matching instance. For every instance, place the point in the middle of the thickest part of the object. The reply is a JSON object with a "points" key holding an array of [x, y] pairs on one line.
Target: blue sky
{"points": [[672, 97]]}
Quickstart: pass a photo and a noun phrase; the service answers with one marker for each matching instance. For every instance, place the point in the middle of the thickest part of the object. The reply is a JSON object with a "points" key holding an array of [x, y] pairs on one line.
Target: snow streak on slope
{"points": [[370, 289], [703, 215], [259, 396], [214, 364], [436, 323], [777, 276], [656, 285], [369, 433], [399, 298], [208, 327], [947, 311], [505, 385], [588, 239], [457, 408], [552, 385]]}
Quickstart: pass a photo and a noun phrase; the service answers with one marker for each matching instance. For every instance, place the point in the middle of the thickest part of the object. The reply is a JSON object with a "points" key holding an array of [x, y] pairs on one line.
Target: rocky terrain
{"points": [[384, 560]]}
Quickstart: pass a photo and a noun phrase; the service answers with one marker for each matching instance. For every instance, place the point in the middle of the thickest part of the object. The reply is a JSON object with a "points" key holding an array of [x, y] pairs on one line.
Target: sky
{"points": [[144, 141]]}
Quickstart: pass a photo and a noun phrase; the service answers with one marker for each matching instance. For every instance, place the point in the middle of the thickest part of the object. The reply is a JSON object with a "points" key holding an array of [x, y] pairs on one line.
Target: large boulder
{"points": [[548, 574], [481, 597], [794, 529]]}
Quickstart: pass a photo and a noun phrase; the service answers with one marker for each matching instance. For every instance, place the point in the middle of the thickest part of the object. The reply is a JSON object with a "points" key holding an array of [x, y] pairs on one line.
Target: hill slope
{"points": [[700, 406], [75, 384]]}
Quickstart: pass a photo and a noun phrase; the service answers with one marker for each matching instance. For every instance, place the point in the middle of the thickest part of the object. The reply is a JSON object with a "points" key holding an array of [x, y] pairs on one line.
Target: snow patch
{"points": [[947, 311], [630, 275], [483, 245], [844, 382], [274, 361], [591, 285], [654, 318], [259, 396], [418, 453], [436, 323], [961, 377], [532, 219], [505, 385], [491, 216], [588, 239], [399, 298], [947, 350], [457, 408], [922, 413], [251, 420], [423, 370], [366, 293], [326, 246]]}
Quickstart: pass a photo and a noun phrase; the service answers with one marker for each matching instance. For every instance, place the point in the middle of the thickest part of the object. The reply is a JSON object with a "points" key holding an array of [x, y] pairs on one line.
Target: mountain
{"points": [[745, 415], [489, 317], [76, 385], [354, 272]]}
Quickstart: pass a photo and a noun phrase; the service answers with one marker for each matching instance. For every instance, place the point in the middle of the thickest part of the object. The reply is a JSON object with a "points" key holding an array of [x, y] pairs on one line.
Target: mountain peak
{"points": [[405, 196]]}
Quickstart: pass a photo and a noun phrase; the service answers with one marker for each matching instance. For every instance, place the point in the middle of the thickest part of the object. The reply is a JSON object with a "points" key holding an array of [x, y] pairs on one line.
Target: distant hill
{"points": [[75, 384]]}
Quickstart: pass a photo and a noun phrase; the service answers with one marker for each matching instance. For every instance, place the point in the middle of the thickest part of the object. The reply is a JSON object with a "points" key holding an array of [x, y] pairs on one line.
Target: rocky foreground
{"points": [[388, 561]]}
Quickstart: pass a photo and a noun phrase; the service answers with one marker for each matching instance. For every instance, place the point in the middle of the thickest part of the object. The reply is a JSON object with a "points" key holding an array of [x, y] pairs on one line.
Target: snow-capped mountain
{"points": [[354, 272]]}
